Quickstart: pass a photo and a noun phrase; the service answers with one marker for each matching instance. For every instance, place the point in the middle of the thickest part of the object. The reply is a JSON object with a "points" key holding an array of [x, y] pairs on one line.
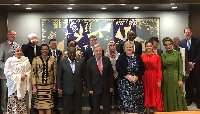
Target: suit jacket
{"points": [[122, 63], [138, 47], [6, 51], [95, 81], [190, 53], [89, 53], [69, 81], [159, 52], [58, 54], [28, 51]]}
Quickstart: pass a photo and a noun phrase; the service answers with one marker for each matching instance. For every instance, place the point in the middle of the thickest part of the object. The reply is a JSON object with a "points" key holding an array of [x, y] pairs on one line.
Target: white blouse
{"points": [[14, 67]]}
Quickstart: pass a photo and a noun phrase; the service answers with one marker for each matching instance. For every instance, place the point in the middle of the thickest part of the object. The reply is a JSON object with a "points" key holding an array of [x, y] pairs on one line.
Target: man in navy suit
{"points": [[137, 45], [99, 76], [57, 54], [190, 45]]}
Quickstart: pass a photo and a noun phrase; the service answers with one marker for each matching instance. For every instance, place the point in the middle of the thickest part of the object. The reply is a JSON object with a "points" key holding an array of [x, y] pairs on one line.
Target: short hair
{"points": [[127, 43], [154, 39], [92, 36], [31, 35], [51, 40], [71, 41], [44, 45], [97, 45], [148, 42], [11, 31], [187, 28]]}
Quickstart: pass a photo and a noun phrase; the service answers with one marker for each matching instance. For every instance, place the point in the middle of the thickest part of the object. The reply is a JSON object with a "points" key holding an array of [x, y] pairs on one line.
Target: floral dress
{"points": [[131, 95]]}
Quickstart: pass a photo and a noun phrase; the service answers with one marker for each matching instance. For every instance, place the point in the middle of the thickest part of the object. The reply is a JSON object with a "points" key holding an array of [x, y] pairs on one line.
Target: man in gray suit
{"points": [[6, 51], [71, 74]]}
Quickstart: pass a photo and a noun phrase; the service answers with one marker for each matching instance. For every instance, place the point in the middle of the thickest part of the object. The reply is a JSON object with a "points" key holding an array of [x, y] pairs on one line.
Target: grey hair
{"points": [[31, 35], [97, 45]]}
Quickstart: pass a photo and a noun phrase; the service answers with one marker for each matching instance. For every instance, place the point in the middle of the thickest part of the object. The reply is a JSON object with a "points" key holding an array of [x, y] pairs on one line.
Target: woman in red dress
{"points": [[152, 79]]}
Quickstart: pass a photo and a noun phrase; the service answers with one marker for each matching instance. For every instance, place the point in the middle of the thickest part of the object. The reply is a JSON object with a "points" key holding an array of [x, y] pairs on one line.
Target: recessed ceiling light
{"points": [[103, 8], [28, 8], [71, 4], [123, 4], [69, 8], [17, 4], [136, 7], [174, 7]]}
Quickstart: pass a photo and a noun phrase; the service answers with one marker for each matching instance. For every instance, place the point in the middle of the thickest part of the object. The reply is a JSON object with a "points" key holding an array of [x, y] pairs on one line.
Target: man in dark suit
{"points": [[57, 54], [99, 75], [137, 45], [6, 50], [87, 55], [31, 50], [189, 43], [71, 73]]}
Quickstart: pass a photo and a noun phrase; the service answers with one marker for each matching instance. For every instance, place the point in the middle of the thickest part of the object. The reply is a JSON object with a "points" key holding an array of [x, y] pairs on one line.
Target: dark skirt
{"points": [[131, 96], [44, 98], [15, 105]]}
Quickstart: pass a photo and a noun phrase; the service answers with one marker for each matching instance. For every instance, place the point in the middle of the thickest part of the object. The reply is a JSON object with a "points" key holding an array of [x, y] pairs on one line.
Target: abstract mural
{"points": [[109, 29]]}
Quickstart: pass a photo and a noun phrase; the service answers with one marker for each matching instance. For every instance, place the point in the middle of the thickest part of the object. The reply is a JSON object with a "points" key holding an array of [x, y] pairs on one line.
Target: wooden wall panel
{"points": [[3, 23]]}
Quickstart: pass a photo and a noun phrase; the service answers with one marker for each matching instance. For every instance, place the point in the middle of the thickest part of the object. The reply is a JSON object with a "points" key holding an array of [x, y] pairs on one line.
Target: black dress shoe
{"points": [[56, 111], [198, 105]]}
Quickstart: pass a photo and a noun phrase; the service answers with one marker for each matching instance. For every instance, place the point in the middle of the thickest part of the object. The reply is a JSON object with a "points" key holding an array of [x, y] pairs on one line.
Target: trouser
{"points": [[4, 94]]}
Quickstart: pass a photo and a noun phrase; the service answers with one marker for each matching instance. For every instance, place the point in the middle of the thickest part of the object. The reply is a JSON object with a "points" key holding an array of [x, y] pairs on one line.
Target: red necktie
{"points": [[99, 65]]}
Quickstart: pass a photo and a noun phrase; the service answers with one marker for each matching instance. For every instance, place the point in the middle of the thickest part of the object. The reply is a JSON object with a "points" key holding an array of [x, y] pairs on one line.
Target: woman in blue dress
{"points": [[130, 68]]}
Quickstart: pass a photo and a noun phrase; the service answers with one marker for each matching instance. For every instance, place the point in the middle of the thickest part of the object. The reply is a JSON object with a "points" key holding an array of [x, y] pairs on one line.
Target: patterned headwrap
{"points": [[167, 39]]}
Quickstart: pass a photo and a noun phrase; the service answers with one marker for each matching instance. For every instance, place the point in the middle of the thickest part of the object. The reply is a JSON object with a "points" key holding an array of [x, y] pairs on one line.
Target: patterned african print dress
{"points": [[17, 88], [131, 95], [44, 76]]}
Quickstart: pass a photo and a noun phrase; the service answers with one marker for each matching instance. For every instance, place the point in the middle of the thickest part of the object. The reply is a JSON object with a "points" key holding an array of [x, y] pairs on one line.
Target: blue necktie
{"points": [[188, 44]]}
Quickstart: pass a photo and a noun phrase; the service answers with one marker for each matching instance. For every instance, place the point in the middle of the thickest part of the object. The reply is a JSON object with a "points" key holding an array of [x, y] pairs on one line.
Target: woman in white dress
{"points": [[17, 71]]}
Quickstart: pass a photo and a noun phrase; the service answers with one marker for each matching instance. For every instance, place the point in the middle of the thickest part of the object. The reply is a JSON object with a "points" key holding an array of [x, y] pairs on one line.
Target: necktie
{"points": [[99, 65], [188, 45], [54, 54], [13, 48]]}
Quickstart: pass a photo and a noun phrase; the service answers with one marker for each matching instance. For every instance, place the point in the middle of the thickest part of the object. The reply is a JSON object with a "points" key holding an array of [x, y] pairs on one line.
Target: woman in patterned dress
{"points": [[130, 68], [17, 71], [44, 72], [152, 79], [172, 85]]}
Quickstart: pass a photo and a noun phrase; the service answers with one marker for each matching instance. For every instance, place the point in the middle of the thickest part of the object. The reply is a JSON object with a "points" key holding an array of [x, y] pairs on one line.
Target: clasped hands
{"points": [[131, 78]]}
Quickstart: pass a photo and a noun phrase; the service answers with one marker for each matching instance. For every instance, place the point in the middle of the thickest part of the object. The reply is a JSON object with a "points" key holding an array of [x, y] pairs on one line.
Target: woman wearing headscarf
{"points": [[172, 85], [17, 71]]}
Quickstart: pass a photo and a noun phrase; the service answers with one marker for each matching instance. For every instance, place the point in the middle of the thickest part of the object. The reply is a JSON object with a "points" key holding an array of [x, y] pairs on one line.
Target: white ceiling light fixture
{"points": [[69, 8], [103, 8], [136, 7], [17, 4], [71, 4], [28, 8], [122, 4], [174, 7]]}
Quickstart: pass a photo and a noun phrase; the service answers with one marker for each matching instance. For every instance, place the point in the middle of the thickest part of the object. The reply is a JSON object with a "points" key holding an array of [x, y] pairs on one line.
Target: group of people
{"points": [[36, 76]]}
